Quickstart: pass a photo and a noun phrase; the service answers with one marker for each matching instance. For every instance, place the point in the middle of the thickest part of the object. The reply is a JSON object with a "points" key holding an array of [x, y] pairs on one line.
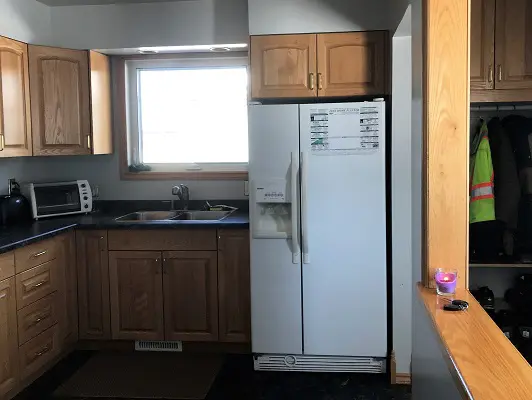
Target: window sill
{"points": [[162, 176]]}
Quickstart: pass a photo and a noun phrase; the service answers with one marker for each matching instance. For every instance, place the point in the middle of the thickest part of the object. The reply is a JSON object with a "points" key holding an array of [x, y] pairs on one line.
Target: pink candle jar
{"points": [[446, 281]]}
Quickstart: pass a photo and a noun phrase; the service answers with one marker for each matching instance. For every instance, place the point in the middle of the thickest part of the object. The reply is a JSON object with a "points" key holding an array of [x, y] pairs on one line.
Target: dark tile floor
{"points": [[237, 380]]}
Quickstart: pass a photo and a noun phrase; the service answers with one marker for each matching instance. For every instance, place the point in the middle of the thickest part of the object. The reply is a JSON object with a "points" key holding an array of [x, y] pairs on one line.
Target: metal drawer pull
{"points": [[44, 350], [3, 295], [42, 253], [39, 319], [39, 284]]}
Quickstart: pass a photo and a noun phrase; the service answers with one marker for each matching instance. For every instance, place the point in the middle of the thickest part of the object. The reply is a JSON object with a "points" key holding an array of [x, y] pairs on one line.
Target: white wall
{"points": [[417, 138], [307, 16], [402, 200], [156, 24], [431, 378], [25, 20]]}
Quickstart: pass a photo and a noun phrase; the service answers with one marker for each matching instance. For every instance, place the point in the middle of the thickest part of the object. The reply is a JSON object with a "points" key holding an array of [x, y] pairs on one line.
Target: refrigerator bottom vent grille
{"points": [[319, 363]]}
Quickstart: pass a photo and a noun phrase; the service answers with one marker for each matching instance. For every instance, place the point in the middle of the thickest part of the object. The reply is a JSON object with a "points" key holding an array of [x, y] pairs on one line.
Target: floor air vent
{"points": [[146, 345], [318, 363]]}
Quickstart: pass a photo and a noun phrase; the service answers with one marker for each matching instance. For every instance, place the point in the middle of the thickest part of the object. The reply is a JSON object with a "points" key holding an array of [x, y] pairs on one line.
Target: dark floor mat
{"points": [[143, 376]]}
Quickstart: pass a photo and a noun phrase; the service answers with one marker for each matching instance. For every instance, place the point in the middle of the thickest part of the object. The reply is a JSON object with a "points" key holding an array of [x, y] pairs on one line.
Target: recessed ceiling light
{"points": [[197, 48], [146, 51], [219, 49]]}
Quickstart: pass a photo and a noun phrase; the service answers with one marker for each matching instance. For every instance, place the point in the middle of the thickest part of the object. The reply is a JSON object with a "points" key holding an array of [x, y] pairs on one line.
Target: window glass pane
{"points": [[193, 115]]}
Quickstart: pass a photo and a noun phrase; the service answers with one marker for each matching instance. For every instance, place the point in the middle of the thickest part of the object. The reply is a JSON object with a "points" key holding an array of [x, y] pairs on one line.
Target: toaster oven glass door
{"points": [[57, 199]]}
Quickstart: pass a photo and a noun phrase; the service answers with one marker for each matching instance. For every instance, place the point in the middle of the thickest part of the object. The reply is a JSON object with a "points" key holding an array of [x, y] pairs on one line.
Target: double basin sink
{"points": [[179, 215]]}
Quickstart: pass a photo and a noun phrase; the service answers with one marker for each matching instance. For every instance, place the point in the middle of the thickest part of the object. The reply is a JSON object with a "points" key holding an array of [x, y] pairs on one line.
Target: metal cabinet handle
{"points": [[43, 350], [89, 142], [39, 284], [499, 67], [320, 81], [41, 253], [490, 74], [2, 142], [311, 81]]}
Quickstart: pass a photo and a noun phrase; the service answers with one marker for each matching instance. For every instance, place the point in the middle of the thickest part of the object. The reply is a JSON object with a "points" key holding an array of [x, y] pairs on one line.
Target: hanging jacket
{"points": [[481, 195], [506, 183]]}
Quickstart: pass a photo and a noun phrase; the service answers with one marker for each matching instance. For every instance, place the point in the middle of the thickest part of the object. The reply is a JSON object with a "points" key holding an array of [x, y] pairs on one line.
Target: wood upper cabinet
{"points": [[15, 118], [352, 64], [190, 295], [513, 44], [482, 44], [283, 66], [93, 285], [100, 82], [234, 286], [60, 101], [136, 292], [9, 372]]}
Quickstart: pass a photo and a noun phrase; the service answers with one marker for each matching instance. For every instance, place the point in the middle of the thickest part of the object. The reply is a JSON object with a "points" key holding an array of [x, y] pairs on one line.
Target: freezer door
{"points": [[343, 216], [276, 320]]}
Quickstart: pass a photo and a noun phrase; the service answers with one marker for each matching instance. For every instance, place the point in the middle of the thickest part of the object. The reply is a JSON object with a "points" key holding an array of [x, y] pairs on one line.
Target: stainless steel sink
{"points": [[203, 215], [147, 216], [180, 215]]}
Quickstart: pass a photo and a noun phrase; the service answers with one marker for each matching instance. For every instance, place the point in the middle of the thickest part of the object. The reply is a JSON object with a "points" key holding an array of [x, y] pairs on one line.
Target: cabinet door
{"points": [[482, 44], [100, 67], [136, 291], [60, 101], [352, 64], [93, 285], [8, 337], [513, 44], [190, 295], [15, 119], [234, 286], [283, 66], [70, 291]]}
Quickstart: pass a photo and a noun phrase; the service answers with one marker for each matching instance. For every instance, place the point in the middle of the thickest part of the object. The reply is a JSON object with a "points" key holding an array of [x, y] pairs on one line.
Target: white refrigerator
{"points": [[318, 236]]}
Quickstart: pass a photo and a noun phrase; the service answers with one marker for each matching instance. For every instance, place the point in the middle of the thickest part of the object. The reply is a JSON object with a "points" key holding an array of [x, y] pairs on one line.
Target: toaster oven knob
{"points": [[86, 206], [83, 185], [85, 198]]}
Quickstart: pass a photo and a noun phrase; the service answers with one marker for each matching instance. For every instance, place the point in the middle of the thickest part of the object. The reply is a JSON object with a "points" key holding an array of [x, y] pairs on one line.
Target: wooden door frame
{"points": [[445, 112]]}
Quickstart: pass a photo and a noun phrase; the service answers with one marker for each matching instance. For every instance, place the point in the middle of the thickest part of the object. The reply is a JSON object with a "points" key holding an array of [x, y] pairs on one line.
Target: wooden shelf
{"points": [[500, 265]]}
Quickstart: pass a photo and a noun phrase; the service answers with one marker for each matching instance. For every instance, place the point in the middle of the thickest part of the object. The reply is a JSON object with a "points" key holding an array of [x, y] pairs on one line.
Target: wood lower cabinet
{"points": [[9, 371], [283, 66], [15, 118], [352, 64], [136, 292], [234, 286], [190, 295], [60, 101], [69, 298], [93, 285]]}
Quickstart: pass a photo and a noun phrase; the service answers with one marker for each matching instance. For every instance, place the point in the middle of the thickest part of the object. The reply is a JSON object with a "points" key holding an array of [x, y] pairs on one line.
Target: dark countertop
{"points": [[22, 235]]}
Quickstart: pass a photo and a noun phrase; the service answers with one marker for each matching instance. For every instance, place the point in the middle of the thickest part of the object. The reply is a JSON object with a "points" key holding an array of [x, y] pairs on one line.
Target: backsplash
{"points": [[103, 171]]}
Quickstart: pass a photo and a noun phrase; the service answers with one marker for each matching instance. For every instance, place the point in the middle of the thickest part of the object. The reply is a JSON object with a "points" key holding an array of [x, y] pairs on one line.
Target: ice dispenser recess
{"points": [[271, 208]]}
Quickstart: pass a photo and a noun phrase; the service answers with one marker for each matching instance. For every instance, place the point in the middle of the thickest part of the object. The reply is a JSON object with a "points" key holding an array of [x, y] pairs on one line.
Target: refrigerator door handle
{"points": [[304, 208], [296, 251]]}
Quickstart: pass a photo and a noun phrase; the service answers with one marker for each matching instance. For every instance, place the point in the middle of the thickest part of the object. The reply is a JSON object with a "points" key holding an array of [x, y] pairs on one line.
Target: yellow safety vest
{"points": [[481, 194]]}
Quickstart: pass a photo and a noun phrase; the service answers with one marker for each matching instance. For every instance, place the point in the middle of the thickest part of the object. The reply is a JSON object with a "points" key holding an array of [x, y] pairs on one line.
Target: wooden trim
{"points": [[501, 96], [100, 101], [482, 360], [164, 176], [446, 137], [393, 368], [120, 127]]}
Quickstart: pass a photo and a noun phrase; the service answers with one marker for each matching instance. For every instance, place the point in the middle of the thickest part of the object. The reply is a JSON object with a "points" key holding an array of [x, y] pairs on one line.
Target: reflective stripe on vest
{"points": [[482, 199]]}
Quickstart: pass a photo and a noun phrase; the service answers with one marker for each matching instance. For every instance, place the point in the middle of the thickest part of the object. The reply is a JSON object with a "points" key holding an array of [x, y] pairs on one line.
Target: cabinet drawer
{"points": [[7, 265], [40, 350], [172, 239], [36, 283], [38, 317], [35, 254]]}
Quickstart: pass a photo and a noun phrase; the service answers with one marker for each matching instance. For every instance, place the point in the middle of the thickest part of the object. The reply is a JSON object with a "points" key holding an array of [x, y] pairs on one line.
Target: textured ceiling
{"points": [[94, 2]]}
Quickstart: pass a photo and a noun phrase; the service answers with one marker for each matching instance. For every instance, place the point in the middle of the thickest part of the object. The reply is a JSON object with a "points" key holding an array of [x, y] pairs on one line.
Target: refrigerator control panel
{"points": [[271, 191]]}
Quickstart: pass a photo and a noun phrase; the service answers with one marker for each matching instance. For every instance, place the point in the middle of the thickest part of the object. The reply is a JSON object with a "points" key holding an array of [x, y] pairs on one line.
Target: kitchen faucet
{"points": [[183, 193]]}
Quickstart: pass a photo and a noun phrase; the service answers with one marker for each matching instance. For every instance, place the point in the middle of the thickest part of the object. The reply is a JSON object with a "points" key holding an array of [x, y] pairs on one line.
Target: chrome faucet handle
{"points": [[176, 191]]}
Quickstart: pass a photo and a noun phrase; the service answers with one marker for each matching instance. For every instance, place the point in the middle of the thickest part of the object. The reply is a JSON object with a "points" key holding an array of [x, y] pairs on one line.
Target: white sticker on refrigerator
{"points": [[345, 131]]}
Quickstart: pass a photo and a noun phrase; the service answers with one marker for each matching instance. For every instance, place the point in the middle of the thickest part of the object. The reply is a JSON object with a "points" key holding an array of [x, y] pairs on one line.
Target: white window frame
{"points": [[133, 105]]}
